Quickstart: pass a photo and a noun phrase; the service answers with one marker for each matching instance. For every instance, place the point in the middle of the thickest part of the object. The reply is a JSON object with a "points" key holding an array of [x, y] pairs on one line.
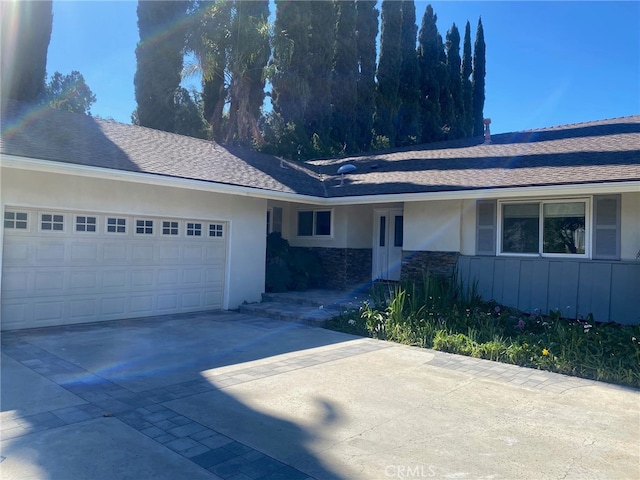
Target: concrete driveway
{"points": [[227, 395]]}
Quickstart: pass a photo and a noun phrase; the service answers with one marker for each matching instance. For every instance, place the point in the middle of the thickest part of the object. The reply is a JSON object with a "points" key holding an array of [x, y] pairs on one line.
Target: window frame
{"points": [[144, 234], [169, 228], [52, 221], [314, 224], [213, 228], [76, 218], [15, 220], [193, 229], [588, 227], [116, 225]]}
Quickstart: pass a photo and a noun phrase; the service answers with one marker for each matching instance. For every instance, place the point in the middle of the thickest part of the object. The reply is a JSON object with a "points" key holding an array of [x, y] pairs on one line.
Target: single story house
{"points": [[104, 221]]}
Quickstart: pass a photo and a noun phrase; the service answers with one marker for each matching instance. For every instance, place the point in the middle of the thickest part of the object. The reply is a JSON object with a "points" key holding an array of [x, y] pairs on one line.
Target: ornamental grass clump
{"points": [[444, 315]]}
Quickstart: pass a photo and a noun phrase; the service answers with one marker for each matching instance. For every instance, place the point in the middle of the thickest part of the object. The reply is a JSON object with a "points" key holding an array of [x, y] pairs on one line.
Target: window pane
{"points": [[564, 225], [305, 224], [382, 234], [520, 228], [398, 232], [323, 223]]}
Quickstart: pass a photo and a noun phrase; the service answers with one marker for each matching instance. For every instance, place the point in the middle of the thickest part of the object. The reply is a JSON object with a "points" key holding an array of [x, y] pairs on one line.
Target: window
{"points": [[550, 227], [85, 224], [215, 230], [15, 220], [169, 228], [52, 222], [116, 225], [194, 229], [144, 227], [314, 223]]}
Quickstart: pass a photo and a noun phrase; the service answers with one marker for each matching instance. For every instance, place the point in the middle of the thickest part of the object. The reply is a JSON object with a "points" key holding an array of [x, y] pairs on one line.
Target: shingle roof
{"points": [[600, 151]]}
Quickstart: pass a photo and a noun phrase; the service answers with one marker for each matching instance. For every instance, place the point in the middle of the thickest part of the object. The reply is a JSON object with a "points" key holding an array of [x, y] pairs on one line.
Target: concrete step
{"points": [[319, 298], [290, 312]]}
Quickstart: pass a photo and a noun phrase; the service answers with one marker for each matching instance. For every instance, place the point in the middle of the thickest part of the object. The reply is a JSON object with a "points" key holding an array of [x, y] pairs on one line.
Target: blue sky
{"points": [[548, 63]]}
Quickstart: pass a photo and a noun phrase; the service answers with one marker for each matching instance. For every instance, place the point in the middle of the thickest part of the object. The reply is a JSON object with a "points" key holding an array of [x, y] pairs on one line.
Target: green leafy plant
{"points": [[444, 315]]}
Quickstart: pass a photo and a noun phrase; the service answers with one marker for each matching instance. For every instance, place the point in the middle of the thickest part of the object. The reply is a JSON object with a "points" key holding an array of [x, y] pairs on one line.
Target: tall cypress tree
{"points": [[345, 77], [456, 122], [289, 68], [26, 31], [467, 90], [429, 57], [366, 33], [479, 71], [322, 21], [408, 91], [388, 75], [159, 62]]}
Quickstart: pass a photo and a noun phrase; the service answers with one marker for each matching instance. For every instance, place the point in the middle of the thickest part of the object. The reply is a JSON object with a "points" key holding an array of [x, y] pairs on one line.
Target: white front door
{"points": [[387, 244]]}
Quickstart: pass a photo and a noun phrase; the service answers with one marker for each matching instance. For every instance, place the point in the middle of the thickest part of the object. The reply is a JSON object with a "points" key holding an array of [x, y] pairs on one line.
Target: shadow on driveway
{"points": [[147, 399]]}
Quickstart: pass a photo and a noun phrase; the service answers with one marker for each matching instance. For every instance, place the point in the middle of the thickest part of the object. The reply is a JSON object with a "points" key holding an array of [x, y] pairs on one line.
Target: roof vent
{"points": [[487, 132], [347, 168]]}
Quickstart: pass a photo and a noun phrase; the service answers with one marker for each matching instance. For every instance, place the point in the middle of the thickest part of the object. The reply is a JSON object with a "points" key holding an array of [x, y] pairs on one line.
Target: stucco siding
{"points": [[630, 229], [433, 226]]}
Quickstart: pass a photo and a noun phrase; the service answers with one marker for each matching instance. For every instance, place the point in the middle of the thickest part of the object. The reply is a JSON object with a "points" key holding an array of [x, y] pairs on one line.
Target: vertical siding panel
{"points": [[594, 290], [485, 277], [498, 280], [526, 279], [511, 282], [554, 285], [540, 286], [625, 293], [569, 288], [464, 268]]}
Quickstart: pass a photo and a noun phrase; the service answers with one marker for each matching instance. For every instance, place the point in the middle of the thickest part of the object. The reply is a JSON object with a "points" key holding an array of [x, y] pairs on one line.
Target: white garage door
{"points": [[75, 267]]}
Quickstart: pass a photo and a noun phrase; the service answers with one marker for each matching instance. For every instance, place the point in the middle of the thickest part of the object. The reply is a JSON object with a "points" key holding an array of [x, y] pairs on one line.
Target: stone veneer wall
{"points": [[416, 264], [344, 267]]}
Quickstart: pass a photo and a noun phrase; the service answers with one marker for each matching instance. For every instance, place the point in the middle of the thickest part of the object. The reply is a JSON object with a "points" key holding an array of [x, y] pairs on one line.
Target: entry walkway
{"points": [[235, 396]]}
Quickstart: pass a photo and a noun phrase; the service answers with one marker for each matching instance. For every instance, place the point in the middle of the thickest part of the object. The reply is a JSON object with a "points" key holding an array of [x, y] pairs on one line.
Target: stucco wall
{"points": [[432, 226], [246, 216], [630, 219]]}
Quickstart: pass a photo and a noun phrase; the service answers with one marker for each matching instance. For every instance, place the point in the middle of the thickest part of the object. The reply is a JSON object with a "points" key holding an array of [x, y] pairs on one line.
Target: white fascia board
{"points": [[51, 166]]}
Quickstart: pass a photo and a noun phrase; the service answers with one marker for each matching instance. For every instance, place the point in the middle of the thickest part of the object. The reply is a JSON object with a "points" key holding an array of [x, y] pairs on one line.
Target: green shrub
{"points": [[441, 314]]}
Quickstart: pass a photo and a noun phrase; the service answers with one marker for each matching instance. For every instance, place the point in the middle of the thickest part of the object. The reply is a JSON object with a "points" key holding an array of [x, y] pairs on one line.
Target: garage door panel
{"points": [[50, 253], [83, 309], [83, 280], [67, 277], [114, 278], [51, 282], [51, 311], [15, 253], [142, 278], [168, 277], [167, 301], [115, 252]]}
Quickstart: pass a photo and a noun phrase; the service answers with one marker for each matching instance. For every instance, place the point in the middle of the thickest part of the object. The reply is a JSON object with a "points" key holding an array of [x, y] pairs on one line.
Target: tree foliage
{"points": [[159, 57], [479, 71], [388, 74], [366, 32], [454, 82], [69, 92], [467, 89], [429, 56], [25, 32], [406, 121], [344, 81]]}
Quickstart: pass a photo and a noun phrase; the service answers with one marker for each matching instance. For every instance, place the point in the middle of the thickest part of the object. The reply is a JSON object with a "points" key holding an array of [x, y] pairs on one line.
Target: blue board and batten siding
{"points": [[608, 290]]}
